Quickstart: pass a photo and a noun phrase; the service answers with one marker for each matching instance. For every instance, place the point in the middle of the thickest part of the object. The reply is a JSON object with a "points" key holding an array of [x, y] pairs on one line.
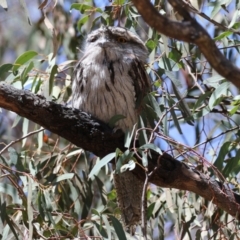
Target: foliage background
{"points": [[44, 179]]}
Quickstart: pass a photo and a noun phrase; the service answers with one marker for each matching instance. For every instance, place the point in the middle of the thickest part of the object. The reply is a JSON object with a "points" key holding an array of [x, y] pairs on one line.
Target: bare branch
{"points": [[189, 30]]}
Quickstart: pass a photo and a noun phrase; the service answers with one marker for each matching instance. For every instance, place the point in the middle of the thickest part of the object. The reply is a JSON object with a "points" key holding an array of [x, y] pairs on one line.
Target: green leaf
{"points": [[236, 101], [129, 166], [202, 98], [151, 44], [25, 130], [112, 122], [101, 190], [216, 8], [223, 35], [233, 165], [151, 111], [129, 136], [168, 64], [25, 8], [165, 41], [3, 4], [112, 195], [100, 229], [123, 159], [40, 203], [11, 191], [107, 226], [234, 18], [118, 228], [151, 146], [214, 80], [24, 75], [150, 210], [39, 83], [201, 113], [225, 149], [100, 164], [80, 7], [47, 201], [74, 195], [54, 70], [82, 21], [175, 55], [29, 208], [173, 114], [233, 110], [10, 223], [94, 211], [151, 100], [4, 69], [13, 156], [183, 107], [63, 177], [22, 59], [174, 80], [218, 94], [144, 158], [142, 134], [119, 2]]}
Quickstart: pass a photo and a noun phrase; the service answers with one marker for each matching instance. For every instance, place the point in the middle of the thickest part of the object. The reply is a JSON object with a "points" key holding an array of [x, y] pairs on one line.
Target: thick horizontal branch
{"points": [[72, 124], [189, 30], [171, 173], [95, 136]]}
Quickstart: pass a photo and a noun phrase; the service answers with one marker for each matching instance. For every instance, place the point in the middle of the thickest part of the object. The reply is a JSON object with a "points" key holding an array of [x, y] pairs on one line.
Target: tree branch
{"points": [[72, 124], [189, 30], [95, 136]]}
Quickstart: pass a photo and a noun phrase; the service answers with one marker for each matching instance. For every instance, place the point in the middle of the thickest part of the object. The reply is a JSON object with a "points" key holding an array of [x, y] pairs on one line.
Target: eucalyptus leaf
{"points": [[129, 136], [128, 167], [22, 59], [118, 228], [218, 94], [54, 70], [3, 4], [168, 64], [100, 164], [5, 68], [63, 177], [101, 230], [151, 146], [112, 122]]}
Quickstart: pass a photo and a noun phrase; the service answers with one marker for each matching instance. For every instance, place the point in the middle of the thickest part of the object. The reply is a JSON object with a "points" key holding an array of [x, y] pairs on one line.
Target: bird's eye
{"points": [[93, 39], [121, 39]]}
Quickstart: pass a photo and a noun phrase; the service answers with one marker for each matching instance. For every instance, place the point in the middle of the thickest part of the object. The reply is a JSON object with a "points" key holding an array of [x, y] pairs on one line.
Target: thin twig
{"points": [[195, 80], [144, 204], [219, 135], [20, 139]]}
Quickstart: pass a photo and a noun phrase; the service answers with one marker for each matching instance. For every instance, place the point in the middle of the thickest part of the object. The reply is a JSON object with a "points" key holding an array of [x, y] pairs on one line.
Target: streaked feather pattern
{"points": [[110, 79]]}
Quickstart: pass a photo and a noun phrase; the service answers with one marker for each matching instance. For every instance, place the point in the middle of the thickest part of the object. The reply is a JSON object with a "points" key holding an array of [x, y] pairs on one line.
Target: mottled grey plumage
{"points": [[110, 79]]}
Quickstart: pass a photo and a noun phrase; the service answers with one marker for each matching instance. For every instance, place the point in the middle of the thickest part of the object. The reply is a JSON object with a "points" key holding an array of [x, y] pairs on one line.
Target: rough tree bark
{"points": [[95, 136]]}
